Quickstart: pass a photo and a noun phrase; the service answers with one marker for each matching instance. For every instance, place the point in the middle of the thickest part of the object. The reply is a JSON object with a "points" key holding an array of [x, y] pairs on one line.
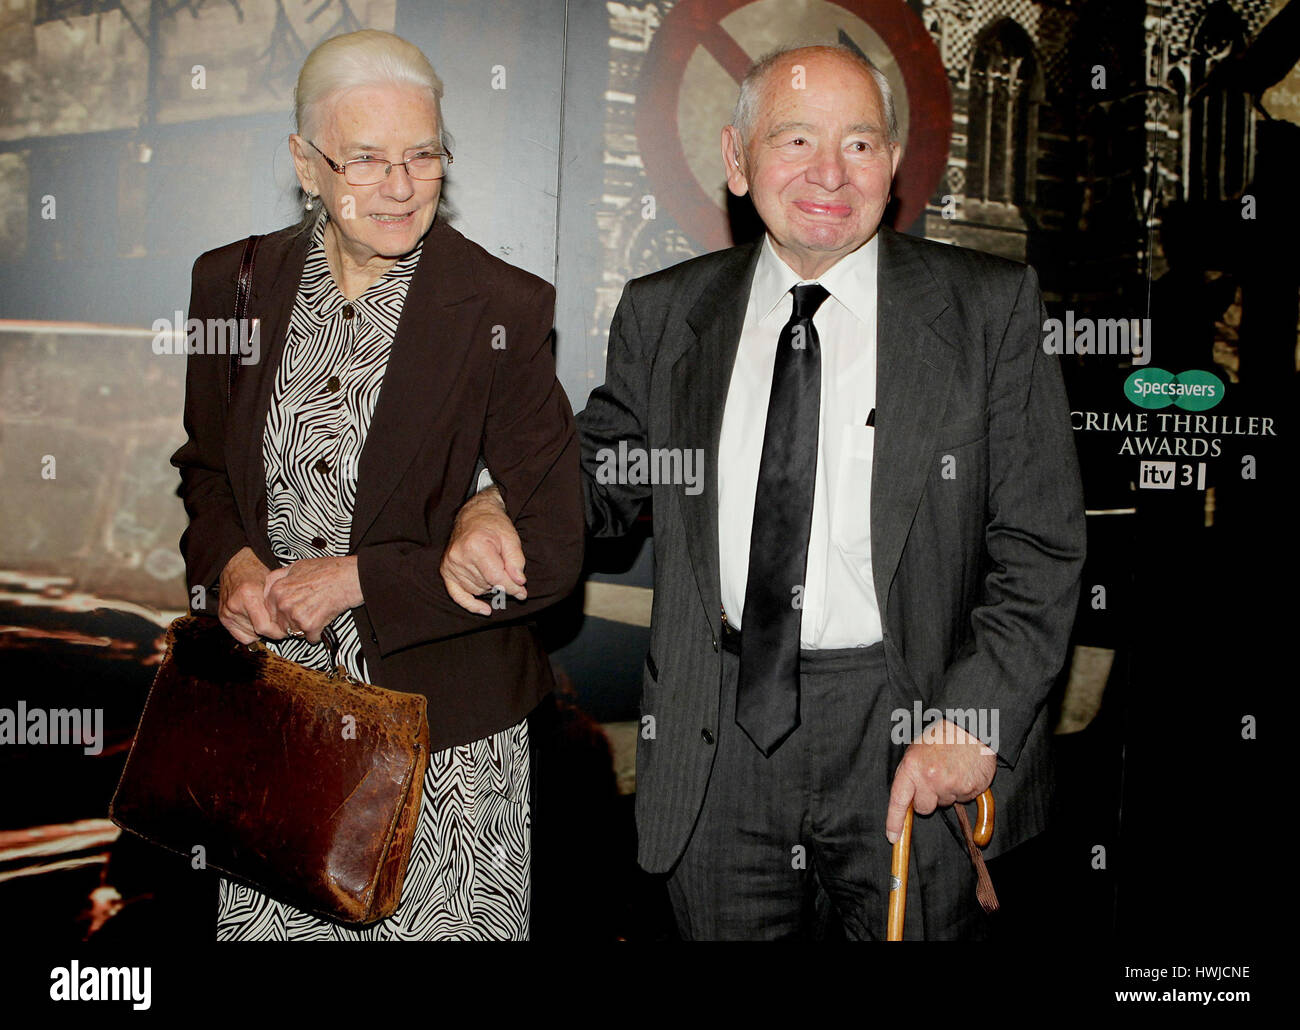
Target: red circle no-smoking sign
{"points": [[701, 52]]}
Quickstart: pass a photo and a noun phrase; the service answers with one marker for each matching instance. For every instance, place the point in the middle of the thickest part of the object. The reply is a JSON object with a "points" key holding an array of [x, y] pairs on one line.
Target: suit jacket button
{"points": [[715, 644], [707, 735]]}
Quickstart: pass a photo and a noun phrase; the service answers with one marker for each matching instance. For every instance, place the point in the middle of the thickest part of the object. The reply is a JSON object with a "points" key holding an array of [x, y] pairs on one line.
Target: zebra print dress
{"points": [[469, 873]]}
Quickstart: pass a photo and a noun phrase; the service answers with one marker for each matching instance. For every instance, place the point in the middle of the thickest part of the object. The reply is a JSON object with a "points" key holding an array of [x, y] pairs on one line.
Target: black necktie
{"points": [[767, 701]]}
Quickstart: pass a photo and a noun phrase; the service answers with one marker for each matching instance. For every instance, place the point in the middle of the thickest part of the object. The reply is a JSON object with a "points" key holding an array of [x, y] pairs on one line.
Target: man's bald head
{"points": [[754, 84]]}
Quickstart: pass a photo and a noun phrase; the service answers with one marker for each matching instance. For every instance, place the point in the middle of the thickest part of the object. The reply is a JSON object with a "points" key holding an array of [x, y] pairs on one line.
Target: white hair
{"points": [[751, 87], [365, 58]]}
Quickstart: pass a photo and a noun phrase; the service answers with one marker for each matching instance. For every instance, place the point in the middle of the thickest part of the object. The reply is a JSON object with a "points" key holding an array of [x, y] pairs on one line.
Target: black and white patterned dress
{"points": [[469, 872]]}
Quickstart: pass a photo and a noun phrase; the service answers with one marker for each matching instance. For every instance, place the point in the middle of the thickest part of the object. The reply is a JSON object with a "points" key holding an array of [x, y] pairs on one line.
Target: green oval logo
{"points": [[1193, 390], [1200, 390], [1150, 388]]}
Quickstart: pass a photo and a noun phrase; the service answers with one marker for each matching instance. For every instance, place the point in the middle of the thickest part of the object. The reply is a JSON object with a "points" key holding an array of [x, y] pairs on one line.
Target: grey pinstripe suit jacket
{"points": [[977, 575]]}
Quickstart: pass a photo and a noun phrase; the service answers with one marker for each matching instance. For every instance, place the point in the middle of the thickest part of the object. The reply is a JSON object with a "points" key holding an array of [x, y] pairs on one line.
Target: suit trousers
{"points": [[793, 846]]}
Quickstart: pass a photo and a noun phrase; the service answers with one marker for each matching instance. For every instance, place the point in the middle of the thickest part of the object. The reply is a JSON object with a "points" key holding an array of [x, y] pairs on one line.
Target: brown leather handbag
{"points": [[303, 784]]}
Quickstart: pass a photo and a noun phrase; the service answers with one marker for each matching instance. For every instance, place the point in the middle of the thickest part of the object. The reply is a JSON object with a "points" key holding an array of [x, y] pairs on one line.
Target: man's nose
{"points": [[828, 168]]}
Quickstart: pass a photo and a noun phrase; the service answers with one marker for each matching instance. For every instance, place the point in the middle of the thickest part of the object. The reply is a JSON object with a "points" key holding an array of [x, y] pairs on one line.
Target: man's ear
{"points": [[897, 159], [733, 160]]}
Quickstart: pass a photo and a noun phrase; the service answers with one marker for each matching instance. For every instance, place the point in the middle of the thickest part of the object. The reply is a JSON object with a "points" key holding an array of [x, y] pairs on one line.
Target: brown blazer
{"points": [[471, 372]]}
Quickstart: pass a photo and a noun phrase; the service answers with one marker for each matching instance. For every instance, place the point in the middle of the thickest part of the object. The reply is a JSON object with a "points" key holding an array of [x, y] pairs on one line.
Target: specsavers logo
{"points": [[1193, 390]]}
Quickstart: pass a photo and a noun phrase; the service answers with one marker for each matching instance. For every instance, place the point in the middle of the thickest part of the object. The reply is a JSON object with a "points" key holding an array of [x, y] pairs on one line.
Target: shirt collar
{"points": [[323, 296], [851, 281]]}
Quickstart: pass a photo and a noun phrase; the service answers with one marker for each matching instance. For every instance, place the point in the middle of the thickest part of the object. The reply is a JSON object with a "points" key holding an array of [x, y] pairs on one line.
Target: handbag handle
{"points": [[331, 640], [243, 288]]}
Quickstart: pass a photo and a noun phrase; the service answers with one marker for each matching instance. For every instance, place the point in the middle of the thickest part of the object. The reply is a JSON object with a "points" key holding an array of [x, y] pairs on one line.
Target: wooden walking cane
{"points": [[902, 857]]}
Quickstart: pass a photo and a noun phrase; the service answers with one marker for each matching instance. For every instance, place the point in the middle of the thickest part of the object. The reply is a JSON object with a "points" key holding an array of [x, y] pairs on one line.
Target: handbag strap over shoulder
{"points": [[243, 287]]}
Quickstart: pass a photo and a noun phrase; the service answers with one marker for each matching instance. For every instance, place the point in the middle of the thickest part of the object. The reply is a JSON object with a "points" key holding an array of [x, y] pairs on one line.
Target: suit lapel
{"points": [[428, 349], [914, 365], [432, 343], [700, 378]]}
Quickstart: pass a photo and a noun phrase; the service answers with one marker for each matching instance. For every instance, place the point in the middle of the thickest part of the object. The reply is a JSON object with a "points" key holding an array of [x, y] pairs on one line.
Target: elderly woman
{"points": [[395, 355]]}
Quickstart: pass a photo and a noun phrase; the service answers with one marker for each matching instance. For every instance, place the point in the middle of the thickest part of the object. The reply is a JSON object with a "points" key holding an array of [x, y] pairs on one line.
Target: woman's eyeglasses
{"points": [[370, 171]]}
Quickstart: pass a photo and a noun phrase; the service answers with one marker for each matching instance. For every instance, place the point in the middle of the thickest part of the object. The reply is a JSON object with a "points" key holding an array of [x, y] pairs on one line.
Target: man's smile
{"points": [[824, 208]]}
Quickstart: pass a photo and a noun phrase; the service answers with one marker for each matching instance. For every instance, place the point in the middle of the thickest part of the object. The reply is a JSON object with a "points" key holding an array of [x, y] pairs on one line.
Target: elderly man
{"points": [[891, 526]]}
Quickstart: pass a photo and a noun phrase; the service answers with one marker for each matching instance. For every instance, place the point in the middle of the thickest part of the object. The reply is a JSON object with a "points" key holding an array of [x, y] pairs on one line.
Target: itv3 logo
{"points": [[1167, 475]]}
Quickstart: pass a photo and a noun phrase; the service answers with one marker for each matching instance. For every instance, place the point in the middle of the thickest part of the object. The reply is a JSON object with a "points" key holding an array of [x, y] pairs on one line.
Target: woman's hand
{"points": [[242, 609], [305, 597]]}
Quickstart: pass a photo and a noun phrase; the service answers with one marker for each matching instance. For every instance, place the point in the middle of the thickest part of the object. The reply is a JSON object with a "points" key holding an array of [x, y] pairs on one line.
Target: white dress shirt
{"points": [[839, 599]]}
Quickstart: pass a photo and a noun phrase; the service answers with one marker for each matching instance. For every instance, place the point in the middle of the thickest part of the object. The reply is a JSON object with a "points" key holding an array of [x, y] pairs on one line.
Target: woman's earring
{"points": [[310, 198]]}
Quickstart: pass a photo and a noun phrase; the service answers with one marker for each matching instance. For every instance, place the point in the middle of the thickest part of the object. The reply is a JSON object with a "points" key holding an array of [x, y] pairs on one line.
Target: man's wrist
{"points": [[490, 495]]}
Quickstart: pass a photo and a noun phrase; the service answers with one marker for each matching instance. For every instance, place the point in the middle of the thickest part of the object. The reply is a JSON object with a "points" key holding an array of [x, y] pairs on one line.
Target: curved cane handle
{"points": [[902, 857], [982, 831]]}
